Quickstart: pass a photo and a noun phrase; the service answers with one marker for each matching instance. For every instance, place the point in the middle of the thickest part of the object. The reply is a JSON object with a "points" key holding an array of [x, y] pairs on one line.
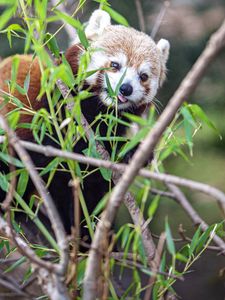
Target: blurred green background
{"points": [[187, 25]]}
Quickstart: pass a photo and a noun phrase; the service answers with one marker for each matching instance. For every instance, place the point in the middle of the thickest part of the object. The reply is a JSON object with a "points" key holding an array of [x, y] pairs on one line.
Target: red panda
{"points": [[121, 53]]}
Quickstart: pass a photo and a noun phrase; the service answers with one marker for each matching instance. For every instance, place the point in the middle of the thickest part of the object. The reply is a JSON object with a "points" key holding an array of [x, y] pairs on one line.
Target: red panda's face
{"points": [[129, 63]]}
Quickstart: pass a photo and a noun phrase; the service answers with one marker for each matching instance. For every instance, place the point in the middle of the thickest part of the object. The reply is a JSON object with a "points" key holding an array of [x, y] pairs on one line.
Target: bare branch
{"points": [[159, 19], [52, 284], [157, 260], [9, 196], [166, 178], [188, 85], [13, 286], [196, 219], [140, 14]]}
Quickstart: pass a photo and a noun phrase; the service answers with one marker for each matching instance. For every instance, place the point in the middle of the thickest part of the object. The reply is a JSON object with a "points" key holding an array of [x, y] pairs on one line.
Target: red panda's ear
{"points": [[97, 23], [164, 48]]}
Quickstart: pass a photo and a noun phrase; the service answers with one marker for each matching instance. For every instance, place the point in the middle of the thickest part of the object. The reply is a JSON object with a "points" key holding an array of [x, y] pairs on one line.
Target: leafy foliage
{"points": [[175, 141]]}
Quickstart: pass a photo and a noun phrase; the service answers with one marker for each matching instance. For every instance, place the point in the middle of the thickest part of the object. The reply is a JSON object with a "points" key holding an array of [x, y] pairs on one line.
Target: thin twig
{"points": [[72, 278], [166, 178], [184, 238], [157, 260], [196, 219], [12, 285], [154, 272], [140, 14], [9, 196], [159, 19], [69, 29]]}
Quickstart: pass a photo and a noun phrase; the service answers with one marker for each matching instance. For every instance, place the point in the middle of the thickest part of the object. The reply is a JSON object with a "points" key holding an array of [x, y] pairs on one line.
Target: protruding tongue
{"points": [[122, 98]]}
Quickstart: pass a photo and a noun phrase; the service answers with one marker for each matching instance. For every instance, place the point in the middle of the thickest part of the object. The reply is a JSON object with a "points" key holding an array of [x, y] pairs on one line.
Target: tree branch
{"points": [[159, 19], [188, 85], [165, 178], [196, 219], [52, 284], [50, 207], [140, 14]]}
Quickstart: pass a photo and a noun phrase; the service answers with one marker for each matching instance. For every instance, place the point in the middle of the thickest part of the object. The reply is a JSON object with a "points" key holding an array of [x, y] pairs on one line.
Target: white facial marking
{"points": [[98, 60], [154, 87], [145, 68], [131, 75], [119, 58]]}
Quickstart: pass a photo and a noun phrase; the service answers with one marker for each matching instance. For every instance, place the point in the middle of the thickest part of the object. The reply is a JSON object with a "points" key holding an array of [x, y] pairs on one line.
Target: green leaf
{"points": [[51, 166], [153, 206], [169, 240], [197, 111], [181, 257], [194, 241], [136, 119], [115, 15], [68, 19], [19, 262], [134, 141], [12, 160], [13, 119], [8, 2], [41, 8], [7, 14], [26, 83], [92, 151], [101, 205], [52, 44], [83, 38], [3, 183], [14, 27], [109, 87], [141, 250], [189, 124], [81, 270], [14, 71], [120, 82], [125, 237], [21, 90], [204, 237], [22, 182]]}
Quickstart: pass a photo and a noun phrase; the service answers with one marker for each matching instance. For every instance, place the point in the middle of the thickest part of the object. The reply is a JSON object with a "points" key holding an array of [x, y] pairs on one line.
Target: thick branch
{"points": [[188, 85]]}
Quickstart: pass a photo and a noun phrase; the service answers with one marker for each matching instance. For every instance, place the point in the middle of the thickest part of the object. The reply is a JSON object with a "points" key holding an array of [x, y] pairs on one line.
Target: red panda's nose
{"points": [[126, 89]]}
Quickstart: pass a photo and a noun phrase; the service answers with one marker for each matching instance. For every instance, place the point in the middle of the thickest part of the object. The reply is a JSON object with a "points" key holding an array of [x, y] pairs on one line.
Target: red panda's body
{"points": [[27, 65], [125, 52]]}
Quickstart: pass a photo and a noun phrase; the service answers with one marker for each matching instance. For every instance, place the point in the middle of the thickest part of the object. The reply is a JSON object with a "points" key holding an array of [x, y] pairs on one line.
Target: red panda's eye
{"points": [[115, 65], [144, 77]]}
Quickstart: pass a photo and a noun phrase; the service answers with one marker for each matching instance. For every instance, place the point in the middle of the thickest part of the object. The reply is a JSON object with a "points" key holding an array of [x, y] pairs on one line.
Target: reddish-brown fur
{"points": [[26, 65]]}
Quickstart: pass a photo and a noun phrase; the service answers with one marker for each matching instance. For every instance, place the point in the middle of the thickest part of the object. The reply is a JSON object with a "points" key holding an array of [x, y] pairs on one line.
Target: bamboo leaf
{"points": [[169, 240]]}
